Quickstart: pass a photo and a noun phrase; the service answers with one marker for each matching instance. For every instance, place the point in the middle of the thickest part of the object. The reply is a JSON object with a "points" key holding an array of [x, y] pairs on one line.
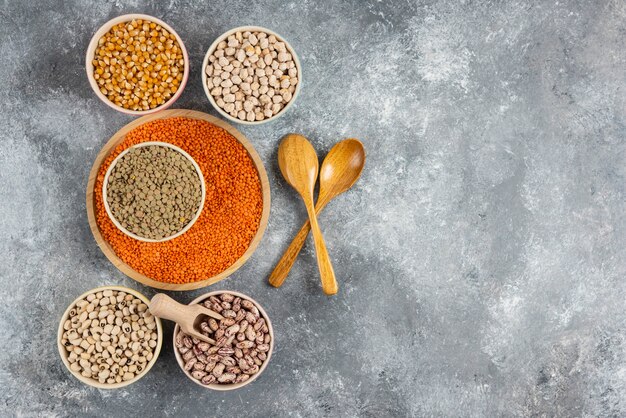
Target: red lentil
{"points": [[230, 217]]}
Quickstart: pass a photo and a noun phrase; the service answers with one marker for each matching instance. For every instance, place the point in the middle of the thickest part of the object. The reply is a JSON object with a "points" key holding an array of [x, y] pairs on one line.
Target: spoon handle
{"points": [[284, 265], [327, 274], [286, 262]]}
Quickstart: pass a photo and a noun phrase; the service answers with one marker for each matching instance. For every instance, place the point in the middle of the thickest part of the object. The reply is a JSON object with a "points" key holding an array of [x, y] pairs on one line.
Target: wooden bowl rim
{"points": [[159, 144], [251, 29], [91, 50], [106, 248], [231, 386], [95, 383]]}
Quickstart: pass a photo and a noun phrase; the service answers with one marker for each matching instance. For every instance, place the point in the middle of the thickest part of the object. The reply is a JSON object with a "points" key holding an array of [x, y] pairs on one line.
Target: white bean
{"points": [[247, 69]]}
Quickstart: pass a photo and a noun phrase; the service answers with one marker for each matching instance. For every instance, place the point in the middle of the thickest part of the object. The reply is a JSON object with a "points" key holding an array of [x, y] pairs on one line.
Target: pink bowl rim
{"points": [[91, 49]]}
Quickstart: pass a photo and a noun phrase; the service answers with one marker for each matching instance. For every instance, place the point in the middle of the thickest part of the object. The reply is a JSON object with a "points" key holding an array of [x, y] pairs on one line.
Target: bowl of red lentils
{"points": [[234, 215], [137, 64]]}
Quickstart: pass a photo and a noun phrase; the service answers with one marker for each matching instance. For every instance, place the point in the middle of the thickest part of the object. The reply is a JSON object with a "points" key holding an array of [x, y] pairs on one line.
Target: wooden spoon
{"points": [[188, 317], [298, 163], [340, 170]]}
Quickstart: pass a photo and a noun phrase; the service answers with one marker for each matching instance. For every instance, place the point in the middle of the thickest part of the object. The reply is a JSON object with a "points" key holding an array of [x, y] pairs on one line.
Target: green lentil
{"points": [[154, 191]]}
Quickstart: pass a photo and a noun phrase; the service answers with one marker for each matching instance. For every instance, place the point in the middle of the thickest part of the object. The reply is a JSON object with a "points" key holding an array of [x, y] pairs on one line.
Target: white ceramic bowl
{"points": [[91, 382], [212, 49], [231, 386], [91, 50], [106, 182]]}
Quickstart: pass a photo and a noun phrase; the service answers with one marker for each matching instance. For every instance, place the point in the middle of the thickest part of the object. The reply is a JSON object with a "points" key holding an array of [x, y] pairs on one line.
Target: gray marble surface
{"points": [[480, 257]]}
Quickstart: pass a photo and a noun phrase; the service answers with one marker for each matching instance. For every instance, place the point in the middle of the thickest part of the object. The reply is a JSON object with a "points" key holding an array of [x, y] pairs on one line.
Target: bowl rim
{"points": [[91, 49], [142, 145], [231, 386], [95, 383], [223, 37]]}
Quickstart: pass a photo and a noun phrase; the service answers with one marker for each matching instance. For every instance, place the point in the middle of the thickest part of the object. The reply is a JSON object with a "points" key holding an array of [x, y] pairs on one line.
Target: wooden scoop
{"points": [[188, 317]]}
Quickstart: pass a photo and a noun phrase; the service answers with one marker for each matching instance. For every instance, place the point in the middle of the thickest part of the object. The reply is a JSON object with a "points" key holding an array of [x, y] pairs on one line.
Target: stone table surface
{"points": [[481, 256]]}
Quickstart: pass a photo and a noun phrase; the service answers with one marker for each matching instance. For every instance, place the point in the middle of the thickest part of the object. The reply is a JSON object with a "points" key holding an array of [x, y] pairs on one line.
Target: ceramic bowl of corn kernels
{"points": [[242, 348], [137, 64], [251, 75], [108, 338]]}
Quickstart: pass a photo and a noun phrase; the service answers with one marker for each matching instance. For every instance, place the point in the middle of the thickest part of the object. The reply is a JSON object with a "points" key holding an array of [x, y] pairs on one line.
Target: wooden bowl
{"points": [[91, 382], [223, 37], [91, 50], [147, 144], [119, 137], [231, 386]]}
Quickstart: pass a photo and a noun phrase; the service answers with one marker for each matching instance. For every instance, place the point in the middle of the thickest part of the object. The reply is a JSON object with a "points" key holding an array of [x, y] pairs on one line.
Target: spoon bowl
{"points": [[341, 168], [298, 163]]}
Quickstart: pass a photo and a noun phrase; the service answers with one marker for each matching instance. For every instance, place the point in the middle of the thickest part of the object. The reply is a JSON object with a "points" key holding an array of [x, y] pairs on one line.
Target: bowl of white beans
{"points": [[251, 75], [108, 338]]}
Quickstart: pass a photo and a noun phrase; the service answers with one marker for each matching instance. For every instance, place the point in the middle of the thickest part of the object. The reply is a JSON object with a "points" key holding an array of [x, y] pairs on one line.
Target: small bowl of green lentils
{"points": [[154, 191]]}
